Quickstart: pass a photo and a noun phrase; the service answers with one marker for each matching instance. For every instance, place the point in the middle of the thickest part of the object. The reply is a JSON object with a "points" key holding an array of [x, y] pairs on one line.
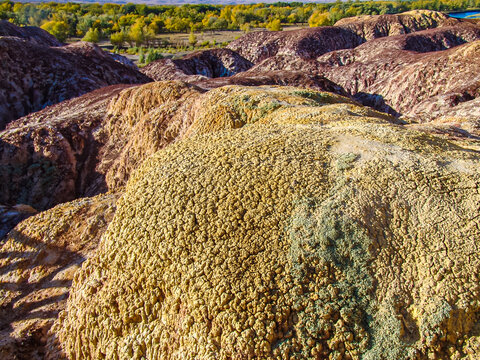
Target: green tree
{"points": [[274, 25], [192, 39], [117, 39], [92, 35], [153, 55], [59, 29]]}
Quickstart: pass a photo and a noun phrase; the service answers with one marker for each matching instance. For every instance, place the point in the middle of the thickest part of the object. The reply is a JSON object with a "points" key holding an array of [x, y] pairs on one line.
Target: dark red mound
{"points": [[282, 78], [34, 76], [49, 157], [31, 33], [212, 63]]}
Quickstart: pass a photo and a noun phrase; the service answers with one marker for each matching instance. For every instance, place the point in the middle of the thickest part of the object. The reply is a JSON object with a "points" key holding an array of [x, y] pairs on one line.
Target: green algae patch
{"points": [[330, 257]]}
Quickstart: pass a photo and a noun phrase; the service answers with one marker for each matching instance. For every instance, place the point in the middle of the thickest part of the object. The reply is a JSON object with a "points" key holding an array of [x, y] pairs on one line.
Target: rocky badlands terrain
{"points": [[36, 71], [311, 194]]}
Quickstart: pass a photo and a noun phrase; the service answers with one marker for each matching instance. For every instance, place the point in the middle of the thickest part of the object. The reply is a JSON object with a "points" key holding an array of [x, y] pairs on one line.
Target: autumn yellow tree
{"points": [[274, 25], [319, 19], [59, 29]]}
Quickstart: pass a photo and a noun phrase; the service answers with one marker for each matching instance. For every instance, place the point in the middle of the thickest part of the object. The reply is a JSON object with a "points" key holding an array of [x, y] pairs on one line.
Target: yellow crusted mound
{"points": [[231, 107], [350, 240]]}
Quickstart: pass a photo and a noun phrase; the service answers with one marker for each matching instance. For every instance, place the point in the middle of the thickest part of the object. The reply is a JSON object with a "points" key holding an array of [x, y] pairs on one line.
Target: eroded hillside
{"points": [[305, 241], [37, 72], [257, 208]]}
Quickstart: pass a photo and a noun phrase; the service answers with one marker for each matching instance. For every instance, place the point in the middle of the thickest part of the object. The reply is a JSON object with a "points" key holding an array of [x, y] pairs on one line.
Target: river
{"points": [[466, 14]]}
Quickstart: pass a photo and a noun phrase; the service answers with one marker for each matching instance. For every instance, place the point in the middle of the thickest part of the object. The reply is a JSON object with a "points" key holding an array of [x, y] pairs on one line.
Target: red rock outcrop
{"points": [[49, 157], [34, 76], [346, 34], [374, 26], [422, 75], [212, 63], [30, 33], [386, 74], [304, 43]]}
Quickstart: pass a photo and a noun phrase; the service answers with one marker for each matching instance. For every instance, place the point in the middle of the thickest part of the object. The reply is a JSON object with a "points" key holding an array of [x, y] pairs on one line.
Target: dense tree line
{"points": [[138, 24]]}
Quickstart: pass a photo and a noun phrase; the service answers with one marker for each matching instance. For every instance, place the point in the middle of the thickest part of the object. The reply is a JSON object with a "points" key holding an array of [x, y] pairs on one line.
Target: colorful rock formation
{"points": [[35, 75], [267, 214]]}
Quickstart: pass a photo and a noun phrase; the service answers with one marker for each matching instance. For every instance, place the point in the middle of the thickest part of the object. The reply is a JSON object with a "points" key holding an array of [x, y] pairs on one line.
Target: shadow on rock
{"points": [[36, 284], [377, 102]]}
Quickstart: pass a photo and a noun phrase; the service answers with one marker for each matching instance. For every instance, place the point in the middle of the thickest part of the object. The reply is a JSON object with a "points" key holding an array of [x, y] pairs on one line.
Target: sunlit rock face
{"points": [[38, 260], [292, 236]]}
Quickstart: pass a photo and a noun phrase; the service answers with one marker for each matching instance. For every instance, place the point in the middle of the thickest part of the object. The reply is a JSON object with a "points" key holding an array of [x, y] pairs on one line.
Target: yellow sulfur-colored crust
{"points": [[351, 240]]}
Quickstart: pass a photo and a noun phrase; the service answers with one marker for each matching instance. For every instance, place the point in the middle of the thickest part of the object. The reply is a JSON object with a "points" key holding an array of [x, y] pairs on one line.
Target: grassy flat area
{"points": [[179, 42]]}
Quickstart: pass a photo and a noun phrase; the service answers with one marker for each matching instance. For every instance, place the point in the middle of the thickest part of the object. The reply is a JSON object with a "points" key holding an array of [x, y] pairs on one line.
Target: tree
{"points": [[6, 10], [92, 35], [319, 19], [192, 39], [153, 55], [117, 39], [59, 29], [137, 32], [245, 28], [274, 25]]}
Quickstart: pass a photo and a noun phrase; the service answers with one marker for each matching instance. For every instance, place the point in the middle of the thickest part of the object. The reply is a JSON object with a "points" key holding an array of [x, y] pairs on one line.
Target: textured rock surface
{"points": [[423, 75], [30, 33], [349, 239], [287, 222], [50, 157], [375, 26], [38, 260], [307, 238], [233, 107], [35, 75], [87, 145], [90, 144], [282, 78], [418, 84], [142, 120], [304, 43], [212, 63], [348, 33]]}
